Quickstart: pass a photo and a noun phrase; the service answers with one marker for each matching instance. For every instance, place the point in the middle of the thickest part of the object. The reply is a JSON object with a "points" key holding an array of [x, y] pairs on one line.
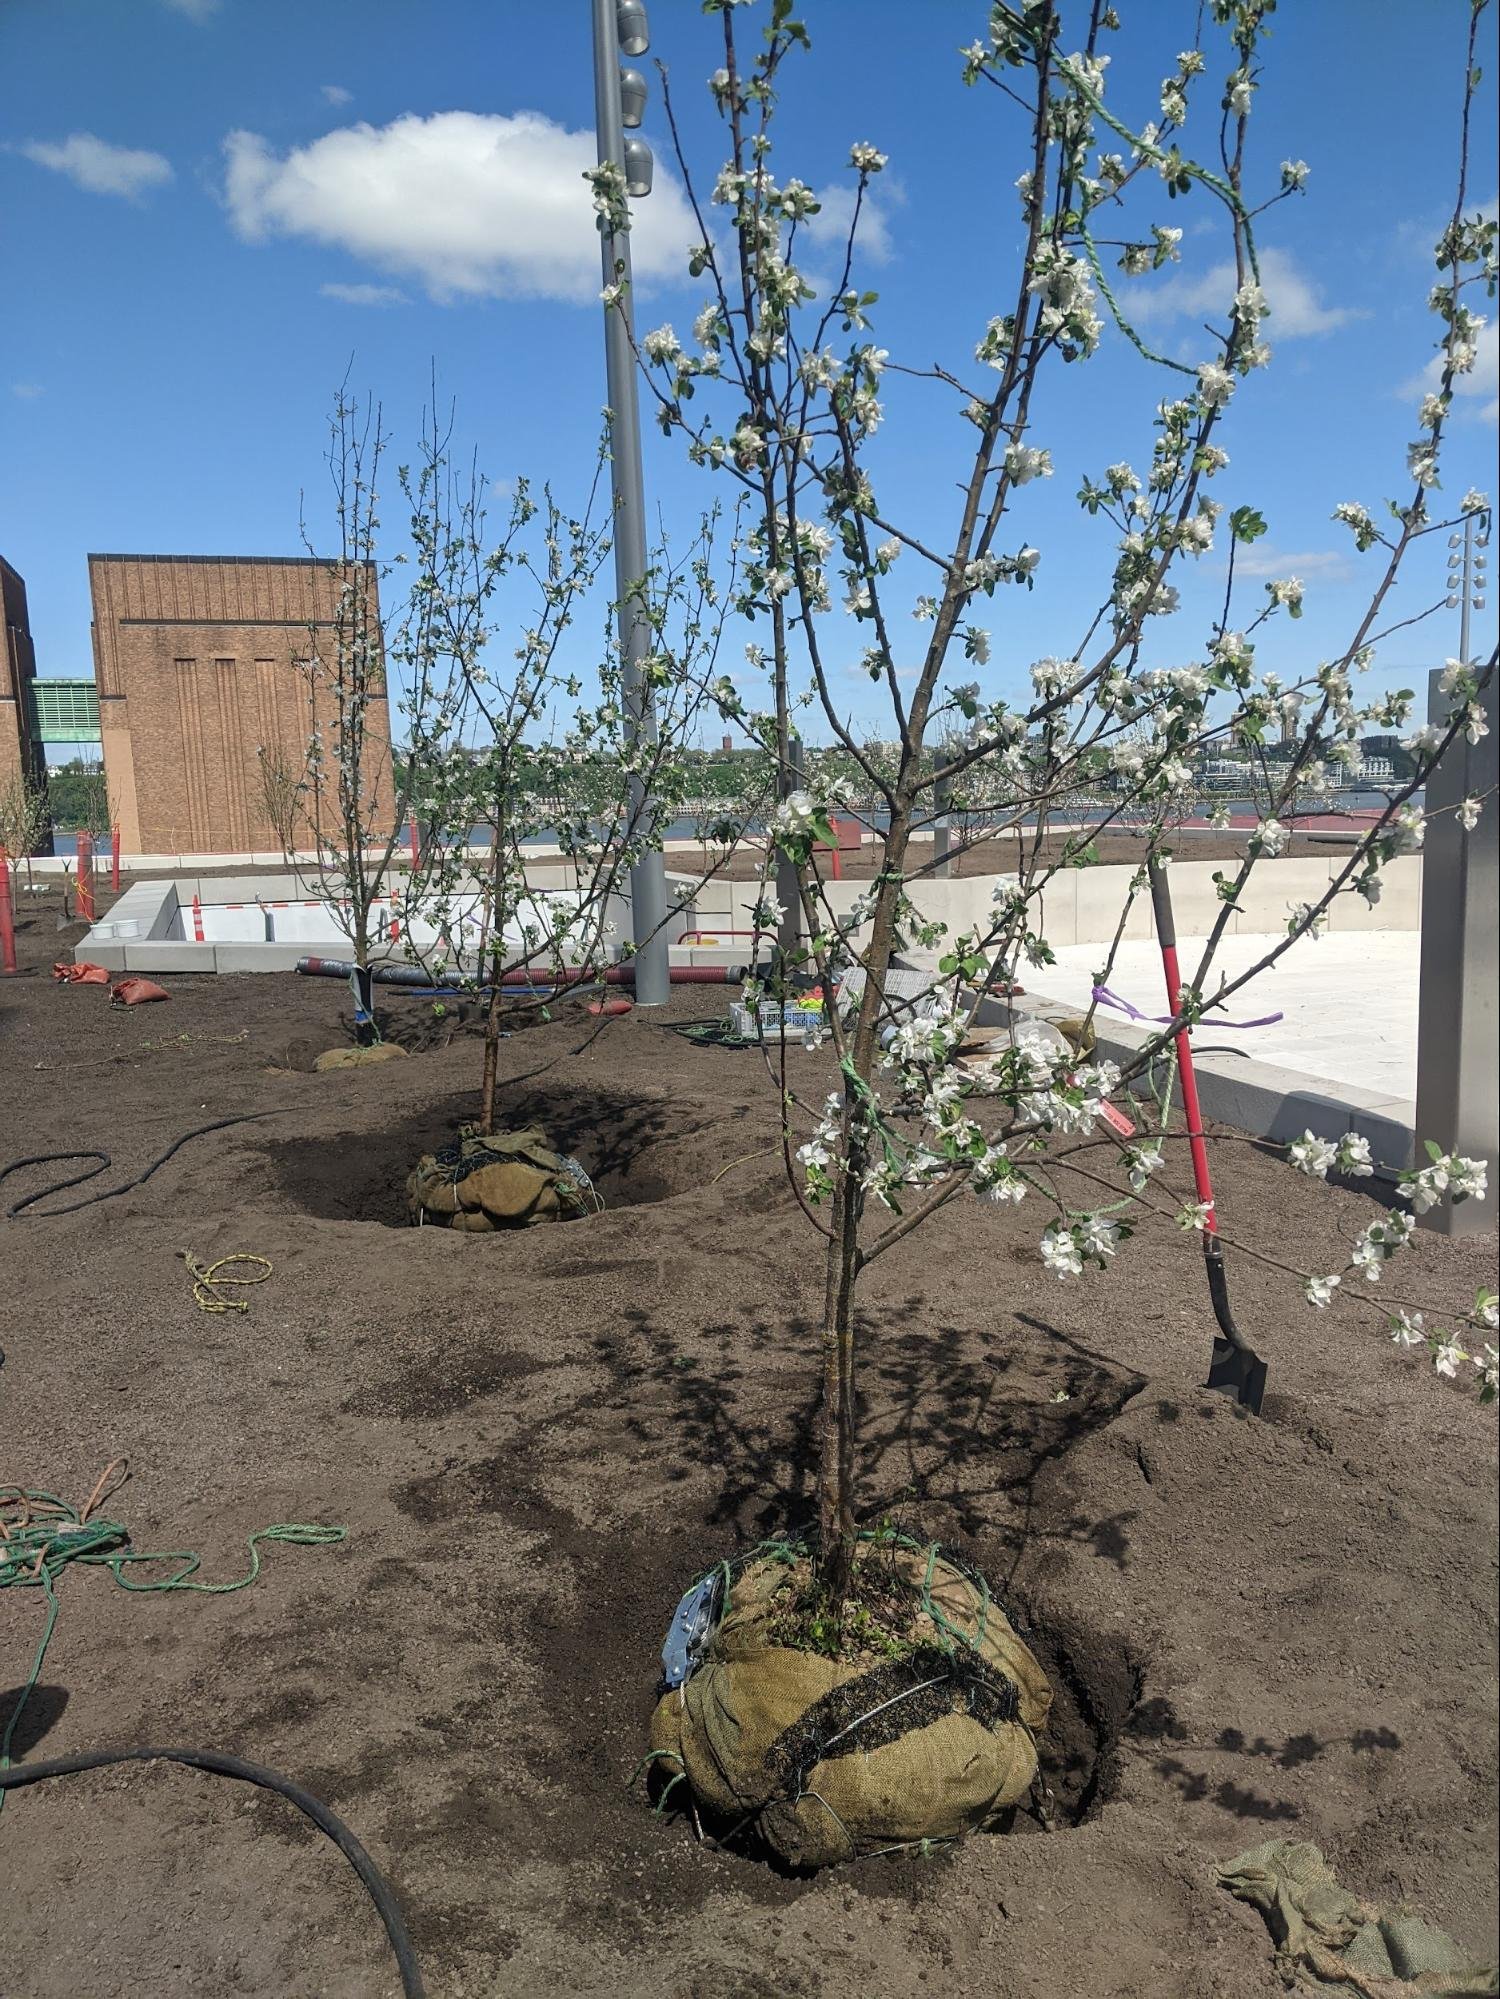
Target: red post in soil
{"points": [[114, 859], [7, 919], [85, 878]]}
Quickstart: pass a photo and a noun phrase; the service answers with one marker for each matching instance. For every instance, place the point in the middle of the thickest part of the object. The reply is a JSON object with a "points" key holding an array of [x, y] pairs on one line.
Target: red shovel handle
{"points": [[1166, 933]]}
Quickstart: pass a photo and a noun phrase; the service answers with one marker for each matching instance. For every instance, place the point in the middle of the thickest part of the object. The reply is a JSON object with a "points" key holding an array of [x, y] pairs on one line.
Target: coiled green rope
{"points": [[41, 1536]]}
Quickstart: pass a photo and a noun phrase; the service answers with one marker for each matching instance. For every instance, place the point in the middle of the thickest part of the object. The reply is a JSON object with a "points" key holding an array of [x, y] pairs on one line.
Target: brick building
{"points": [[19, 750], [204, 690]]}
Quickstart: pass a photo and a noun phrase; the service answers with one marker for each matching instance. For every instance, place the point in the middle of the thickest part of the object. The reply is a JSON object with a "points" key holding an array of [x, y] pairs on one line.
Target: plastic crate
{"points": [[770, 1019]]}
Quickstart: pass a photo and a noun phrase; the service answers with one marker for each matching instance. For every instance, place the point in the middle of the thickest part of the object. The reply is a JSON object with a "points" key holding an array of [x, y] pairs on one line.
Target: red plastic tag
{"points": [[1117, 1120]]}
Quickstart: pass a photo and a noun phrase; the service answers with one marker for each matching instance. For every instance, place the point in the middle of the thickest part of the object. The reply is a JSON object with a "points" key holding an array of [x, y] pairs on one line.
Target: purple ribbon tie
{"points": [[1105, 997]]}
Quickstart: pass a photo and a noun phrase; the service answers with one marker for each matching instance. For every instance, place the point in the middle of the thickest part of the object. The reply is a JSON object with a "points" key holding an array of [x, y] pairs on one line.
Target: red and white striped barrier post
{"points": [[114, 859], [85, 878], [197, 920], [7, 919]]}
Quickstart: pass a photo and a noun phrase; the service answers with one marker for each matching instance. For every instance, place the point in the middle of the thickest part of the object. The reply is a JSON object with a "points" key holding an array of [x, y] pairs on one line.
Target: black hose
{"points": [[252, 1773], [60, 1186]]}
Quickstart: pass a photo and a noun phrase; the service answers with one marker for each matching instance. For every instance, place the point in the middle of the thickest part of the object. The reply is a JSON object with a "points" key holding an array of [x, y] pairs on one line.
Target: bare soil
{"points": [[1256, 1627]]}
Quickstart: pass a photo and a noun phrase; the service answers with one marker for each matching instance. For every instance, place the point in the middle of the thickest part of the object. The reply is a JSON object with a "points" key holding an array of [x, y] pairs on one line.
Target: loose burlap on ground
{"points": [[788, 1737], [359, 1058], [1336, 1942], [507, 1181]]}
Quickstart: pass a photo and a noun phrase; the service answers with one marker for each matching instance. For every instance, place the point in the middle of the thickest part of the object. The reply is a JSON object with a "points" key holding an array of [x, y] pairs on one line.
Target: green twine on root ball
{"points": [[51, 1536]]}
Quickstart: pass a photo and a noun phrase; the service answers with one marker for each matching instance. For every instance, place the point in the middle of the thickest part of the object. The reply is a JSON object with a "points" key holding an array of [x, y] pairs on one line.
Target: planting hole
{"points": [[635, 1150]]}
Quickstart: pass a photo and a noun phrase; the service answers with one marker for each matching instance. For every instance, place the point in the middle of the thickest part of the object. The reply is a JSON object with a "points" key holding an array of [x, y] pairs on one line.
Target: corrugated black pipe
{"points": [[414, 977]]}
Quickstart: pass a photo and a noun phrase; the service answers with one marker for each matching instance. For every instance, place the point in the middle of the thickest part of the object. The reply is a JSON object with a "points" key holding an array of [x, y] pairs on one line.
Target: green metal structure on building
{"points": [[64, 711]]}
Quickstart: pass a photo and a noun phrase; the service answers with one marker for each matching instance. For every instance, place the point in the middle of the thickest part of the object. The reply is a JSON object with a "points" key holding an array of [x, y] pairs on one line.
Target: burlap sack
{"points": [[753, 1740], [359, 1058], [509, 1181]]}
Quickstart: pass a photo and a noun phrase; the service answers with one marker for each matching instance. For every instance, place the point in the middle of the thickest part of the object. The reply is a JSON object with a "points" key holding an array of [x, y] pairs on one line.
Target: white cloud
{"points": [[1329, 563], [365, 294], [98, 167], [471, 205], [195, 10], [27, 391], [1482, 383], [829, 228], [335, 93], [1297, 307]]}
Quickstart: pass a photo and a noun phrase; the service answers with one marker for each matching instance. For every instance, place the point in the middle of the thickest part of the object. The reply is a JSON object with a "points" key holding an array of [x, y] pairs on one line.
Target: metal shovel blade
{"points": [[1238, 1372]]}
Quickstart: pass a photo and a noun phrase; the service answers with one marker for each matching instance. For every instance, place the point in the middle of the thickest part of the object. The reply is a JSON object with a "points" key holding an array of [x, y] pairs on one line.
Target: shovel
{"points": [[1236, 1368]]}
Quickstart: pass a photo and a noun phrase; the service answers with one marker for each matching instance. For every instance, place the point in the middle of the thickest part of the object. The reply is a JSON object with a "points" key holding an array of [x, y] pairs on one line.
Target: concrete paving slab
{"points": [[1349, 1001]]}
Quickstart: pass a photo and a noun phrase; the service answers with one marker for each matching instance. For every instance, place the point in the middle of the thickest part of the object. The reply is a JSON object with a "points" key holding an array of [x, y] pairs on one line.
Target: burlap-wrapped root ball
{"points": [[509, 1180], [792, 1741]]}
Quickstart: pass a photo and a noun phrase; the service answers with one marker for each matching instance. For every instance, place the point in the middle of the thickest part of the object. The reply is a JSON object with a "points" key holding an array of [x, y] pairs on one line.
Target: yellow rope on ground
{"points": [[207, 1281], [759, 1153]]}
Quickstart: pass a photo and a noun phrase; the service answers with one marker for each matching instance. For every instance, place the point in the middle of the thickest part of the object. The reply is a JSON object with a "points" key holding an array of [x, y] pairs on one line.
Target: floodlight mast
{"points": [[1466, 575], [621, 25]]}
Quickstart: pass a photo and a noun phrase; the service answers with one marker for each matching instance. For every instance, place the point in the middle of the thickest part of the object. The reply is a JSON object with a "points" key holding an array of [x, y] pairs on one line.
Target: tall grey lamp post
{"points": [[1458, 1103], [619, 98]]}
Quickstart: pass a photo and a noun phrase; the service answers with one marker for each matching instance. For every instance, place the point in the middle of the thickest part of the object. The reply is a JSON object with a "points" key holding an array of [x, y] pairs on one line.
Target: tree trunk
{"points": [[491, 1055], [836, 1529], [836, 1541], [365, 1032], [497, 967]]}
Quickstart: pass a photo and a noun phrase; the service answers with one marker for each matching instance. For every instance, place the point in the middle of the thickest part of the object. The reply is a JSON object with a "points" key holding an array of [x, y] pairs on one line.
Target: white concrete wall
{"points": [[1083, 905]]}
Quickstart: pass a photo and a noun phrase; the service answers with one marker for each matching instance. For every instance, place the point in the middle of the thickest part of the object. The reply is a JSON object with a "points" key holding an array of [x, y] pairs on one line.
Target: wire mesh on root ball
{"points": [[908, 1715]]}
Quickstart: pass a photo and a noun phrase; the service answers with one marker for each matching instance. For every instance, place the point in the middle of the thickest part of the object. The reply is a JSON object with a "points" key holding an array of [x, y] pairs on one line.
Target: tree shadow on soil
{"points": [[954, 1426], [1155, 1721], [43, 1710]]}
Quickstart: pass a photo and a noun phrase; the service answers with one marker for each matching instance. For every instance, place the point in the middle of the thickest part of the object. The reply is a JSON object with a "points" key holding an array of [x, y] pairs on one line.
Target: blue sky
{"points": [[211, 209]]}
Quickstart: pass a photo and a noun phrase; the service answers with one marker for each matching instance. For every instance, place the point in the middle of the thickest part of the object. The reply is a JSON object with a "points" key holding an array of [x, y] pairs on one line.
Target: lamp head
{"points": [[640, 165], [632, 98], [631, 27]]}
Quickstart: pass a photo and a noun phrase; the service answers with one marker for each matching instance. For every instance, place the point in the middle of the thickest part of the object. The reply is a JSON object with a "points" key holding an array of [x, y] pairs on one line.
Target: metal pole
{"points": [[942, 797], [648, 876], [1456, 1010]]}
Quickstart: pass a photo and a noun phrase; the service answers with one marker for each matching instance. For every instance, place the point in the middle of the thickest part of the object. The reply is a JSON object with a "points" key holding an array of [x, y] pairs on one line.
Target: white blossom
{"points": [[662, 345], [1060, 1252], [1024, 464], [1319, 1290], [1447, 1356], [1421, 462], [1098, 1236], [1353, 1156], [1270, 838], [1312, 1155]]}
